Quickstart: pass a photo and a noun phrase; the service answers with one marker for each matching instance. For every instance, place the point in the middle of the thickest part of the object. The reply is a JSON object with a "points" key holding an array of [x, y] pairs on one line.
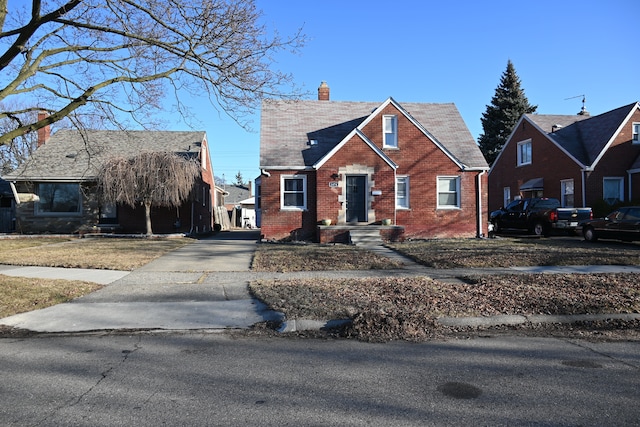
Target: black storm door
{"points": [[356, 198]]}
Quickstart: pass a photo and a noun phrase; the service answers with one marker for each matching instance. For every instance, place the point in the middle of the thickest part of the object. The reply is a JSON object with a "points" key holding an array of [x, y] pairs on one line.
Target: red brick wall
{"points": [[278, 224], [423, 161], [356, 152]]}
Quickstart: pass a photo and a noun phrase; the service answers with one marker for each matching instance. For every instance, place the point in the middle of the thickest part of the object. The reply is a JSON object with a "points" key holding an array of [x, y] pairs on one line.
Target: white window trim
{"points": [[635, 133], [304, 192], [506, 196], [408, 205], [563, 192], [458, 192], [519, 153], [394, 130]]}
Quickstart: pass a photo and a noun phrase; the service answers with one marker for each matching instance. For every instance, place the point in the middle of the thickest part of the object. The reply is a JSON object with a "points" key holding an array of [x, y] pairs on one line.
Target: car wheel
{"points": [[539, 229], [589, 234], [496, 227]]}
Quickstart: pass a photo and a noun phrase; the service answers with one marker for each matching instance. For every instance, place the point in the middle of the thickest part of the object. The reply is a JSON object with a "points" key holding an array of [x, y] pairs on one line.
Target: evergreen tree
{"points": [[239, 179], [507, 106]]}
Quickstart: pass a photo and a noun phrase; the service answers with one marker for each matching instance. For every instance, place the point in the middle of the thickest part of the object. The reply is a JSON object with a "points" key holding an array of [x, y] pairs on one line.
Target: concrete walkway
{"points": [[204, 286]]}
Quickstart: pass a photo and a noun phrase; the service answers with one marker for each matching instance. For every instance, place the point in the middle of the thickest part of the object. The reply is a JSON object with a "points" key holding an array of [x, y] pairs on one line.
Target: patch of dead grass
{"points": [[512, 252], [407, 308], [101, 253], [19, 294], [315, 257]]}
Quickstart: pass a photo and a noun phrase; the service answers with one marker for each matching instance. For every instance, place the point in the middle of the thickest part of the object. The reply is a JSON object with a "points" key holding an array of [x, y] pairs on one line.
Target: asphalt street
{"points": [[220, 379]]}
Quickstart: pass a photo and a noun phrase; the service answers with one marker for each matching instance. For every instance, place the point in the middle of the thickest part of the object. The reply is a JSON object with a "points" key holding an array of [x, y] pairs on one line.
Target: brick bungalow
{"points": [[581, 160], [56, 187], [414, 166]]}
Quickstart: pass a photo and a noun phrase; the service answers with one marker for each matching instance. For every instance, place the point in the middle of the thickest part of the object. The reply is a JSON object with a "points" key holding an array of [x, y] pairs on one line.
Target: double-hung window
{"points": [[635, 133], [566, 190], [506, 196], [524, 153], [402, 192], [448, 192], [612, 190], [390, 131], [56, 198], [293, 194]]}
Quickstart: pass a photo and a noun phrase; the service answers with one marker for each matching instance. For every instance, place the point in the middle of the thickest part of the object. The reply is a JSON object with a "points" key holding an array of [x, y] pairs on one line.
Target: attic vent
{"points": [[313, 142]]}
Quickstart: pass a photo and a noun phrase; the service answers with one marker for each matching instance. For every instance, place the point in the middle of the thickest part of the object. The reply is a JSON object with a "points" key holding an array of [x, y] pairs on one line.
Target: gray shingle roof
{"points": [[72, 155], [237, 193], [287, 126], [583, 136]]}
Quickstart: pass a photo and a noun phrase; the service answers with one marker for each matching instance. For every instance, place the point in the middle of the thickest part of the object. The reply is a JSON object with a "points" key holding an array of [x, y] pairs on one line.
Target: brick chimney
{"points": [[323, 92], [43, 133]]}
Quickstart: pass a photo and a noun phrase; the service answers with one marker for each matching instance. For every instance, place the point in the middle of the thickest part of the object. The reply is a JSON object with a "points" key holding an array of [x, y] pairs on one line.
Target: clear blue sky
{"points": [[446, 51]]}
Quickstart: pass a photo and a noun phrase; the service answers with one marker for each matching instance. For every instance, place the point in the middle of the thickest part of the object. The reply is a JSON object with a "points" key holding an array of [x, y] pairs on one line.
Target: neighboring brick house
{"points": [[56, 186], [580, 160], [414, 165]]}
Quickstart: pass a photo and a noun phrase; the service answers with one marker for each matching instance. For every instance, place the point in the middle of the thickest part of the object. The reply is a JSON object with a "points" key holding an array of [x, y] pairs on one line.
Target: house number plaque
{"points": [[333, 184]]}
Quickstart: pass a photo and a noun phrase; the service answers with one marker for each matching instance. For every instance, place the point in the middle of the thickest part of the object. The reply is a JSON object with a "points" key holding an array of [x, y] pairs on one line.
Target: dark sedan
{"points": [[622, 224]]}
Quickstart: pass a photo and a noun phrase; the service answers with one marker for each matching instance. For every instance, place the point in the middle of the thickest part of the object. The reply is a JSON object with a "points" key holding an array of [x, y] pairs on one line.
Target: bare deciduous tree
{"points": [[118, 58], [148, 179], [16, 151]]}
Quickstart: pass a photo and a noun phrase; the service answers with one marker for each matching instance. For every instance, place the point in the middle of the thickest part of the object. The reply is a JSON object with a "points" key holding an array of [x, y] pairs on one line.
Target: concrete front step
{"points": [[365, 237]]}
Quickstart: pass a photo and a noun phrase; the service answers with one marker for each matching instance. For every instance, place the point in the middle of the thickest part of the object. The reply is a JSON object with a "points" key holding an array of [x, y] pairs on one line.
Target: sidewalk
{"points": [[204, 286]]}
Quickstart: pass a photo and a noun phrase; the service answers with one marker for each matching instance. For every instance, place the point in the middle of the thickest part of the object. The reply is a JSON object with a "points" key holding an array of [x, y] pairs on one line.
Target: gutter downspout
{"points": [[192, 216], [12, 184], [479, 204], [584, 190]]}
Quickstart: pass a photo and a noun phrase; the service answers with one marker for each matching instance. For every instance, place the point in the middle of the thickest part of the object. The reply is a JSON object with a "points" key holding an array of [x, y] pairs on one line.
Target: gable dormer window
{"points": [[390, 131], [524, 153], [635, 138]]}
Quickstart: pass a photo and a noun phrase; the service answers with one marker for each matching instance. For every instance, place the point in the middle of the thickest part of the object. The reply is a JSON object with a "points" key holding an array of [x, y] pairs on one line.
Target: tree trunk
{"points": [[147, 212]]}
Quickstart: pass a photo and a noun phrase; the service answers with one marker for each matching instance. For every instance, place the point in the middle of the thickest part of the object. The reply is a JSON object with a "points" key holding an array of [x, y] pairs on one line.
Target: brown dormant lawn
{"points": [[18, 294], [407, 308]]}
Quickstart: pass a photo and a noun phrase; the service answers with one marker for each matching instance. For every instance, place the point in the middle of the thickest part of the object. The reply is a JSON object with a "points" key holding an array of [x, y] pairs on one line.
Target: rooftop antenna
{"points": [[583, 111]]}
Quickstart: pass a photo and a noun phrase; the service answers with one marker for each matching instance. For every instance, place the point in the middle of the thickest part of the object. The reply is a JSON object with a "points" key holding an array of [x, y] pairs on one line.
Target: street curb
{"points": [[297, 325], [533, 319]]}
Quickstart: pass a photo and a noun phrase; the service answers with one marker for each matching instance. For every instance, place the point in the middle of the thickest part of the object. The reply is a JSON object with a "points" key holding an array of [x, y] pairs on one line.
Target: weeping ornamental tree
{"points": [[150, 179], [507, 106]]}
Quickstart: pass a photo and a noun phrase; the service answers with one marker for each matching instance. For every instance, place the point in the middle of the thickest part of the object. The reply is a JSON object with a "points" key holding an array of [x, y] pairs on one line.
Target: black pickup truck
{"points": [[539, 216]]}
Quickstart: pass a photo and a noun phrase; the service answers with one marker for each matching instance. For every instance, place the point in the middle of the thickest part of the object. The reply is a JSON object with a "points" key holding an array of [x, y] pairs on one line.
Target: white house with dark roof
{"points": [[581, 160], [56, 187], [414, 166]]}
